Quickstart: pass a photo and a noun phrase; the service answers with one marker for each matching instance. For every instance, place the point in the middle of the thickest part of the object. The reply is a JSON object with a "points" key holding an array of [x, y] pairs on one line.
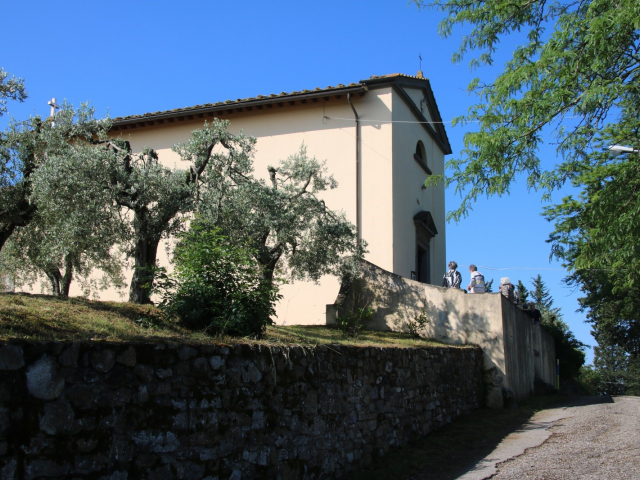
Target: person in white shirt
{"points": [[477, 281]]}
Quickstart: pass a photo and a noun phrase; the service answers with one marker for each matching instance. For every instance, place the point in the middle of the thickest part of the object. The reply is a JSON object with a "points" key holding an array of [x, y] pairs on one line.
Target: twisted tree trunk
{"points": [[143, 272], [60, 284]]}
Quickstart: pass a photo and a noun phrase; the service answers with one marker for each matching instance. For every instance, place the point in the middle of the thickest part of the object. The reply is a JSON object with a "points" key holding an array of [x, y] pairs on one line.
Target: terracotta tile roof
{"points": [[261, 99]]}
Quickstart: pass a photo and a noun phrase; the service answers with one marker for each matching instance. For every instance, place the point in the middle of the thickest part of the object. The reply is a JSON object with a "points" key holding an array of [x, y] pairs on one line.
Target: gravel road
{"points": [[591, 438]]}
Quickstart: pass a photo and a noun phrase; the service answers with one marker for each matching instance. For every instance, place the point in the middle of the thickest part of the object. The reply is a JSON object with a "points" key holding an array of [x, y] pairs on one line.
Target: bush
{"points": [[216, 286], [352, 323], [591, 380], [417, 324]]}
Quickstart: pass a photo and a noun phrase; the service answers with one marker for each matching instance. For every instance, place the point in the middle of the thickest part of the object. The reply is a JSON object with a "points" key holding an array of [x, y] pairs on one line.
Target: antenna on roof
{"points": [[420, 75]]}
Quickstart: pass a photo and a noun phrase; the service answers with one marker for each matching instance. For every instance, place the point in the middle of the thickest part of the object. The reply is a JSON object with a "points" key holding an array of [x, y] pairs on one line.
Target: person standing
{"points": [[533, 313], [477, 281], [452, 279], [508, 290]]}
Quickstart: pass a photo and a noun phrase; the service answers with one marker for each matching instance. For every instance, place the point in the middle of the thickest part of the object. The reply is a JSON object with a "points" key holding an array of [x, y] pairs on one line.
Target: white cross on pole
{"points": [[54, 106]]}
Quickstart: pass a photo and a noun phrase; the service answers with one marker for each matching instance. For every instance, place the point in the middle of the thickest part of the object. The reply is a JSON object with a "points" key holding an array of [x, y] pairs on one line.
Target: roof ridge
{"points": [[240, 101]]}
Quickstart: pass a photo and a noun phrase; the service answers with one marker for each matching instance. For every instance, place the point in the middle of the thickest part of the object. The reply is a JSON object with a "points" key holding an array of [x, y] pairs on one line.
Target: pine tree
{"points": [[523, 292], [569, 350], [488, 286], [543, 300]]}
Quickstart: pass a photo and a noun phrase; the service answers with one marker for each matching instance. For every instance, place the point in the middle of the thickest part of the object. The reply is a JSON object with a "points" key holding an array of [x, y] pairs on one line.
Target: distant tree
{"points": [[610, 362], [615, 327], [569, 350], [489, 286], [605, 265], [285, 221], [158, 197], [591, 380], [542, 298], [523, 293]]}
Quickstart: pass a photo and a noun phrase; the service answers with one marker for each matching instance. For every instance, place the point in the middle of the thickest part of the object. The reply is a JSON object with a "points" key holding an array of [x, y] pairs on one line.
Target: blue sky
{"points": [[136, 57]]}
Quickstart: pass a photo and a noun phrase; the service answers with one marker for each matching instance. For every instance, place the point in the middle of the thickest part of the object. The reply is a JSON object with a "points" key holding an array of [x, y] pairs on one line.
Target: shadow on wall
{"points": [[454, 317]]}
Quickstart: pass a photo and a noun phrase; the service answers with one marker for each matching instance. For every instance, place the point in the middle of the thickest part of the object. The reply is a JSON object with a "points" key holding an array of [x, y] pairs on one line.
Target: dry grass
{"points": [[46, 318]]}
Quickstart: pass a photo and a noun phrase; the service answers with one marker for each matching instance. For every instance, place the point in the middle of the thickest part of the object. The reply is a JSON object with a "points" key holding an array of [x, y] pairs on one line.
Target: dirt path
{"points": [[590, 438]]}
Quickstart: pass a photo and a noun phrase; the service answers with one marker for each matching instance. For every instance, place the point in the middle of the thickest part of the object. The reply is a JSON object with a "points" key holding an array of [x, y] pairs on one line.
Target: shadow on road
{"points": [[457, 447]]}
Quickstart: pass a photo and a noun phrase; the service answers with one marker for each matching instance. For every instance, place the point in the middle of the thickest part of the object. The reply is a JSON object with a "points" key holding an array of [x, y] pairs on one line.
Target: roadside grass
{"points": [[449, 452], [47, 318]]}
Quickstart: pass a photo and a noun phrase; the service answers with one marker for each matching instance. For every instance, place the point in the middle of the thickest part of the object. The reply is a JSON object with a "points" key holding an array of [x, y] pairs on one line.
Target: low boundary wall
{"points": [[516, 352], [118, 411]]}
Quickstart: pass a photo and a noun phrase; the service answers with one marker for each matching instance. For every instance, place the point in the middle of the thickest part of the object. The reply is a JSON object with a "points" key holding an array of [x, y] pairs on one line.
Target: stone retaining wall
{"points": [[118, 411]]}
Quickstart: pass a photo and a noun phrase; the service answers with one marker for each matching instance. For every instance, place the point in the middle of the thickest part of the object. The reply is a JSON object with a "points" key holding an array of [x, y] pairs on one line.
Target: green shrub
{"points": [[216, 286], [591, 380], [417, 324], [352, 323]]}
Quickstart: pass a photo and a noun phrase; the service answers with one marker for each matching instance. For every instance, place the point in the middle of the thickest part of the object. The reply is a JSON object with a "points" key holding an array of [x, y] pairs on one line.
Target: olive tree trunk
{"points": [[143, 272]]}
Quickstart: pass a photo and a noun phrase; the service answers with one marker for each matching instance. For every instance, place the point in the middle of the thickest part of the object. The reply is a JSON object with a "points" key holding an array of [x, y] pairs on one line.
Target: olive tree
{"points": [[74, 228], [285, 220], [26, 146], [157, 198], [11, 88]]}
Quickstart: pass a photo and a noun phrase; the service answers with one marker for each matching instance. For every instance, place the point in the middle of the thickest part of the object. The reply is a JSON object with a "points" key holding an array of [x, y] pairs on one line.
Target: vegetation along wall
{"points": [[118, 411]]}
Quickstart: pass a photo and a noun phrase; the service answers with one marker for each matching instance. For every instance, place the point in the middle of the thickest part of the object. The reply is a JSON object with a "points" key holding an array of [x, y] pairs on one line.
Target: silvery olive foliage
{"points": [[11, 88], [289, 227], [70, 224], [158, 198]]}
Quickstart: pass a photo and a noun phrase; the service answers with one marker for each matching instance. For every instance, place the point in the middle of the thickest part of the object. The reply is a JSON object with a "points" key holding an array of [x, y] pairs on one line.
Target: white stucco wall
{"points": [[409, 196]]}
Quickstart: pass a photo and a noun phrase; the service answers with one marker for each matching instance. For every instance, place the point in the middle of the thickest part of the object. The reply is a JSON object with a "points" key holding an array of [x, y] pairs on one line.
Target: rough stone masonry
{"points": [[123, 411]]}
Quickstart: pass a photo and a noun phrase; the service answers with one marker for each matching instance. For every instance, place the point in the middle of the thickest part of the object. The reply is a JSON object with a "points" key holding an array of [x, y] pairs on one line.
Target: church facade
{"points": [[381, 138]]}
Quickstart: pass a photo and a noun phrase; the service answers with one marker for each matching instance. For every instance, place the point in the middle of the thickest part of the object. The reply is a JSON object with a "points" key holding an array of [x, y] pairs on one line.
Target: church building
{"points": [[381, 138]]}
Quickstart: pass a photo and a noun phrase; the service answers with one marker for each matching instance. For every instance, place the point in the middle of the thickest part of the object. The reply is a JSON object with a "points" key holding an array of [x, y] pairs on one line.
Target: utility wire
{"points": [[389, 121], [546, 268], [326, 117]]}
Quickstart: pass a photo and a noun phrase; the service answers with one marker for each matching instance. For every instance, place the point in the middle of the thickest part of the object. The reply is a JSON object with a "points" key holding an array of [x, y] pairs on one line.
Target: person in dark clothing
{"points": [[533, 313], [452, 279]]}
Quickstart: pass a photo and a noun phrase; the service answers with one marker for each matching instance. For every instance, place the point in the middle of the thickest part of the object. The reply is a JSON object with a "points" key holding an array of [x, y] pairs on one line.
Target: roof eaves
{"points": [[241, 103]]}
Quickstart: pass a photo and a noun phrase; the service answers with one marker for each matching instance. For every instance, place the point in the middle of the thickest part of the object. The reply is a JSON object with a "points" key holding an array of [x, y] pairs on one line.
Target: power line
{"points": [[326, 117], [545, 268], [390, 121]]}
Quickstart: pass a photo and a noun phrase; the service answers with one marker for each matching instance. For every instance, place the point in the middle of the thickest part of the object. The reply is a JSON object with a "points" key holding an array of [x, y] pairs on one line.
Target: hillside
{"points": [[46, 318]]}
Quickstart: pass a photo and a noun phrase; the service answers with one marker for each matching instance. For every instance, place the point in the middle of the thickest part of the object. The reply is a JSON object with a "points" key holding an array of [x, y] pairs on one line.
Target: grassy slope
{"points": [[43, 318]]}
